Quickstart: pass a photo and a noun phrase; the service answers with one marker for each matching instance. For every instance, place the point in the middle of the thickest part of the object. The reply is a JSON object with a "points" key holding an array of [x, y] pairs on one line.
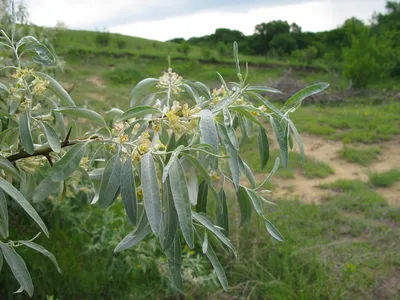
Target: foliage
{"points": [[363, 157], [160, 156], [127, 75], [361, 59], [103, 38], [351, 123], [384, 179]]}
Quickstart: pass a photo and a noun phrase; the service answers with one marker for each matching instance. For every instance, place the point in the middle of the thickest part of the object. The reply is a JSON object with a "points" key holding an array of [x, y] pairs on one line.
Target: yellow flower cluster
{"points": [[24, 106], [84, 162], [184, 123], [39, 85], [170, 81], [22, 73], [144, 143], [123, 138], [214, 176], [219, 94]]}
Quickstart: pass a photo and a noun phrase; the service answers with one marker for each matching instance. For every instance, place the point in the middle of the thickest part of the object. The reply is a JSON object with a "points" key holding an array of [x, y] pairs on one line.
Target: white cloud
{"points": [[163, 20]]}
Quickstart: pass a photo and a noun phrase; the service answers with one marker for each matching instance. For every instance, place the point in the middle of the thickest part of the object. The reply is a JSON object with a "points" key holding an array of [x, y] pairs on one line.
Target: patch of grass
{"points": [[350, 123], [323, 256], [384, 179], [127, 75], [344, 185], [357, 197], [317, 169], [362, 157], [311, 168]]}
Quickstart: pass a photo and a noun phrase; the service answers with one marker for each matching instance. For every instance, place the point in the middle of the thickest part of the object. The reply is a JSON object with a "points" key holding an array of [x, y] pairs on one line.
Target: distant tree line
{"points": [[363, 52]]}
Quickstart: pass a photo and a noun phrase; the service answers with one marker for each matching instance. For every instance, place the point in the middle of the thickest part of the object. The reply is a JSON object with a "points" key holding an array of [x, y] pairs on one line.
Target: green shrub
{"points": [[384, 179], [103, 38], [361, 59], [126, 75], [362, 157]]}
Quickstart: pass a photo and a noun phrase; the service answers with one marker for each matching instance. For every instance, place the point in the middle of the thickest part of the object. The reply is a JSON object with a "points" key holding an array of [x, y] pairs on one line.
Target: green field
{"points": [[344, 246]]}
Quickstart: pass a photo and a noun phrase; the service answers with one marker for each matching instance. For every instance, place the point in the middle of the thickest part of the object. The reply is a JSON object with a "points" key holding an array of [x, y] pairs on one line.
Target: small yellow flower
{"points": [[192, 253], [118, 126], [139, 193], [40, 86], [136, 157], [145, 135], [254, 113], [214, 176], [123, 138], [185, 110], [262, 108], [84, 162], [172, 118], [143, 148]]}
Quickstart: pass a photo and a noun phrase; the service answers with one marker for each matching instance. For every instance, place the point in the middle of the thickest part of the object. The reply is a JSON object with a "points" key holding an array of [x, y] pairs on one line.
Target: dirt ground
{"points": [[327, 151]]}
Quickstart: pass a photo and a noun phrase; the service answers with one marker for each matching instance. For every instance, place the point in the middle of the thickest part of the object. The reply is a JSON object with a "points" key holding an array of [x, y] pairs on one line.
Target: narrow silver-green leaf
{"points": [[182, 202], [244, 206], [208, 129], [169, 218], [224, 221], [28, 185], [68, 163], [255, 200], [296, 99], [82, 113], [45, 188], [3, 215], [25, 132], [110, 181], [202, 197], [57, 89], [233, 159], [174, 262], [245, 110], [142, 88], [247, 171], [18, 268], [210, 226], [175, 274], [128, 191], [263, 89], [151, 192], [138, 111], [195, 162], [236, 56], [191, 92], [1, 260], [274, 169], [4, 88], [135, 236], [42, 250], [282, 140], [217, 267], [298, 138], [8, 167], [263, 146], [174, 156], [273, 231], [17, 196], [51, 136], [192, 186]]}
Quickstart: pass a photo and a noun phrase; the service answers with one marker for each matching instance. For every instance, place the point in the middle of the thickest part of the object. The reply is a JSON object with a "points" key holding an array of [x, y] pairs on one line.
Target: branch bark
{"points": [[44, 151]]}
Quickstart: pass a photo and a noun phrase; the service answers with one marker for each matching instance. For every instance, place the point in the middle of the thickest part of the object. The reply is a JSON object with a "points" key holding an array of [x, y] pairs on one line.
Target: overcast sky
{"points": [[163, 20]]}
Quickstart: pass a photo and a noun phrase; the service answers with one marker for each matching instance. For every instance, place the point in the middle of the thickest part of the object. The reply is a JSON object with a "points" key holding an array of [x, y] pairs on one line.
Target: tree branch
{"points": [[44, 151]]}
